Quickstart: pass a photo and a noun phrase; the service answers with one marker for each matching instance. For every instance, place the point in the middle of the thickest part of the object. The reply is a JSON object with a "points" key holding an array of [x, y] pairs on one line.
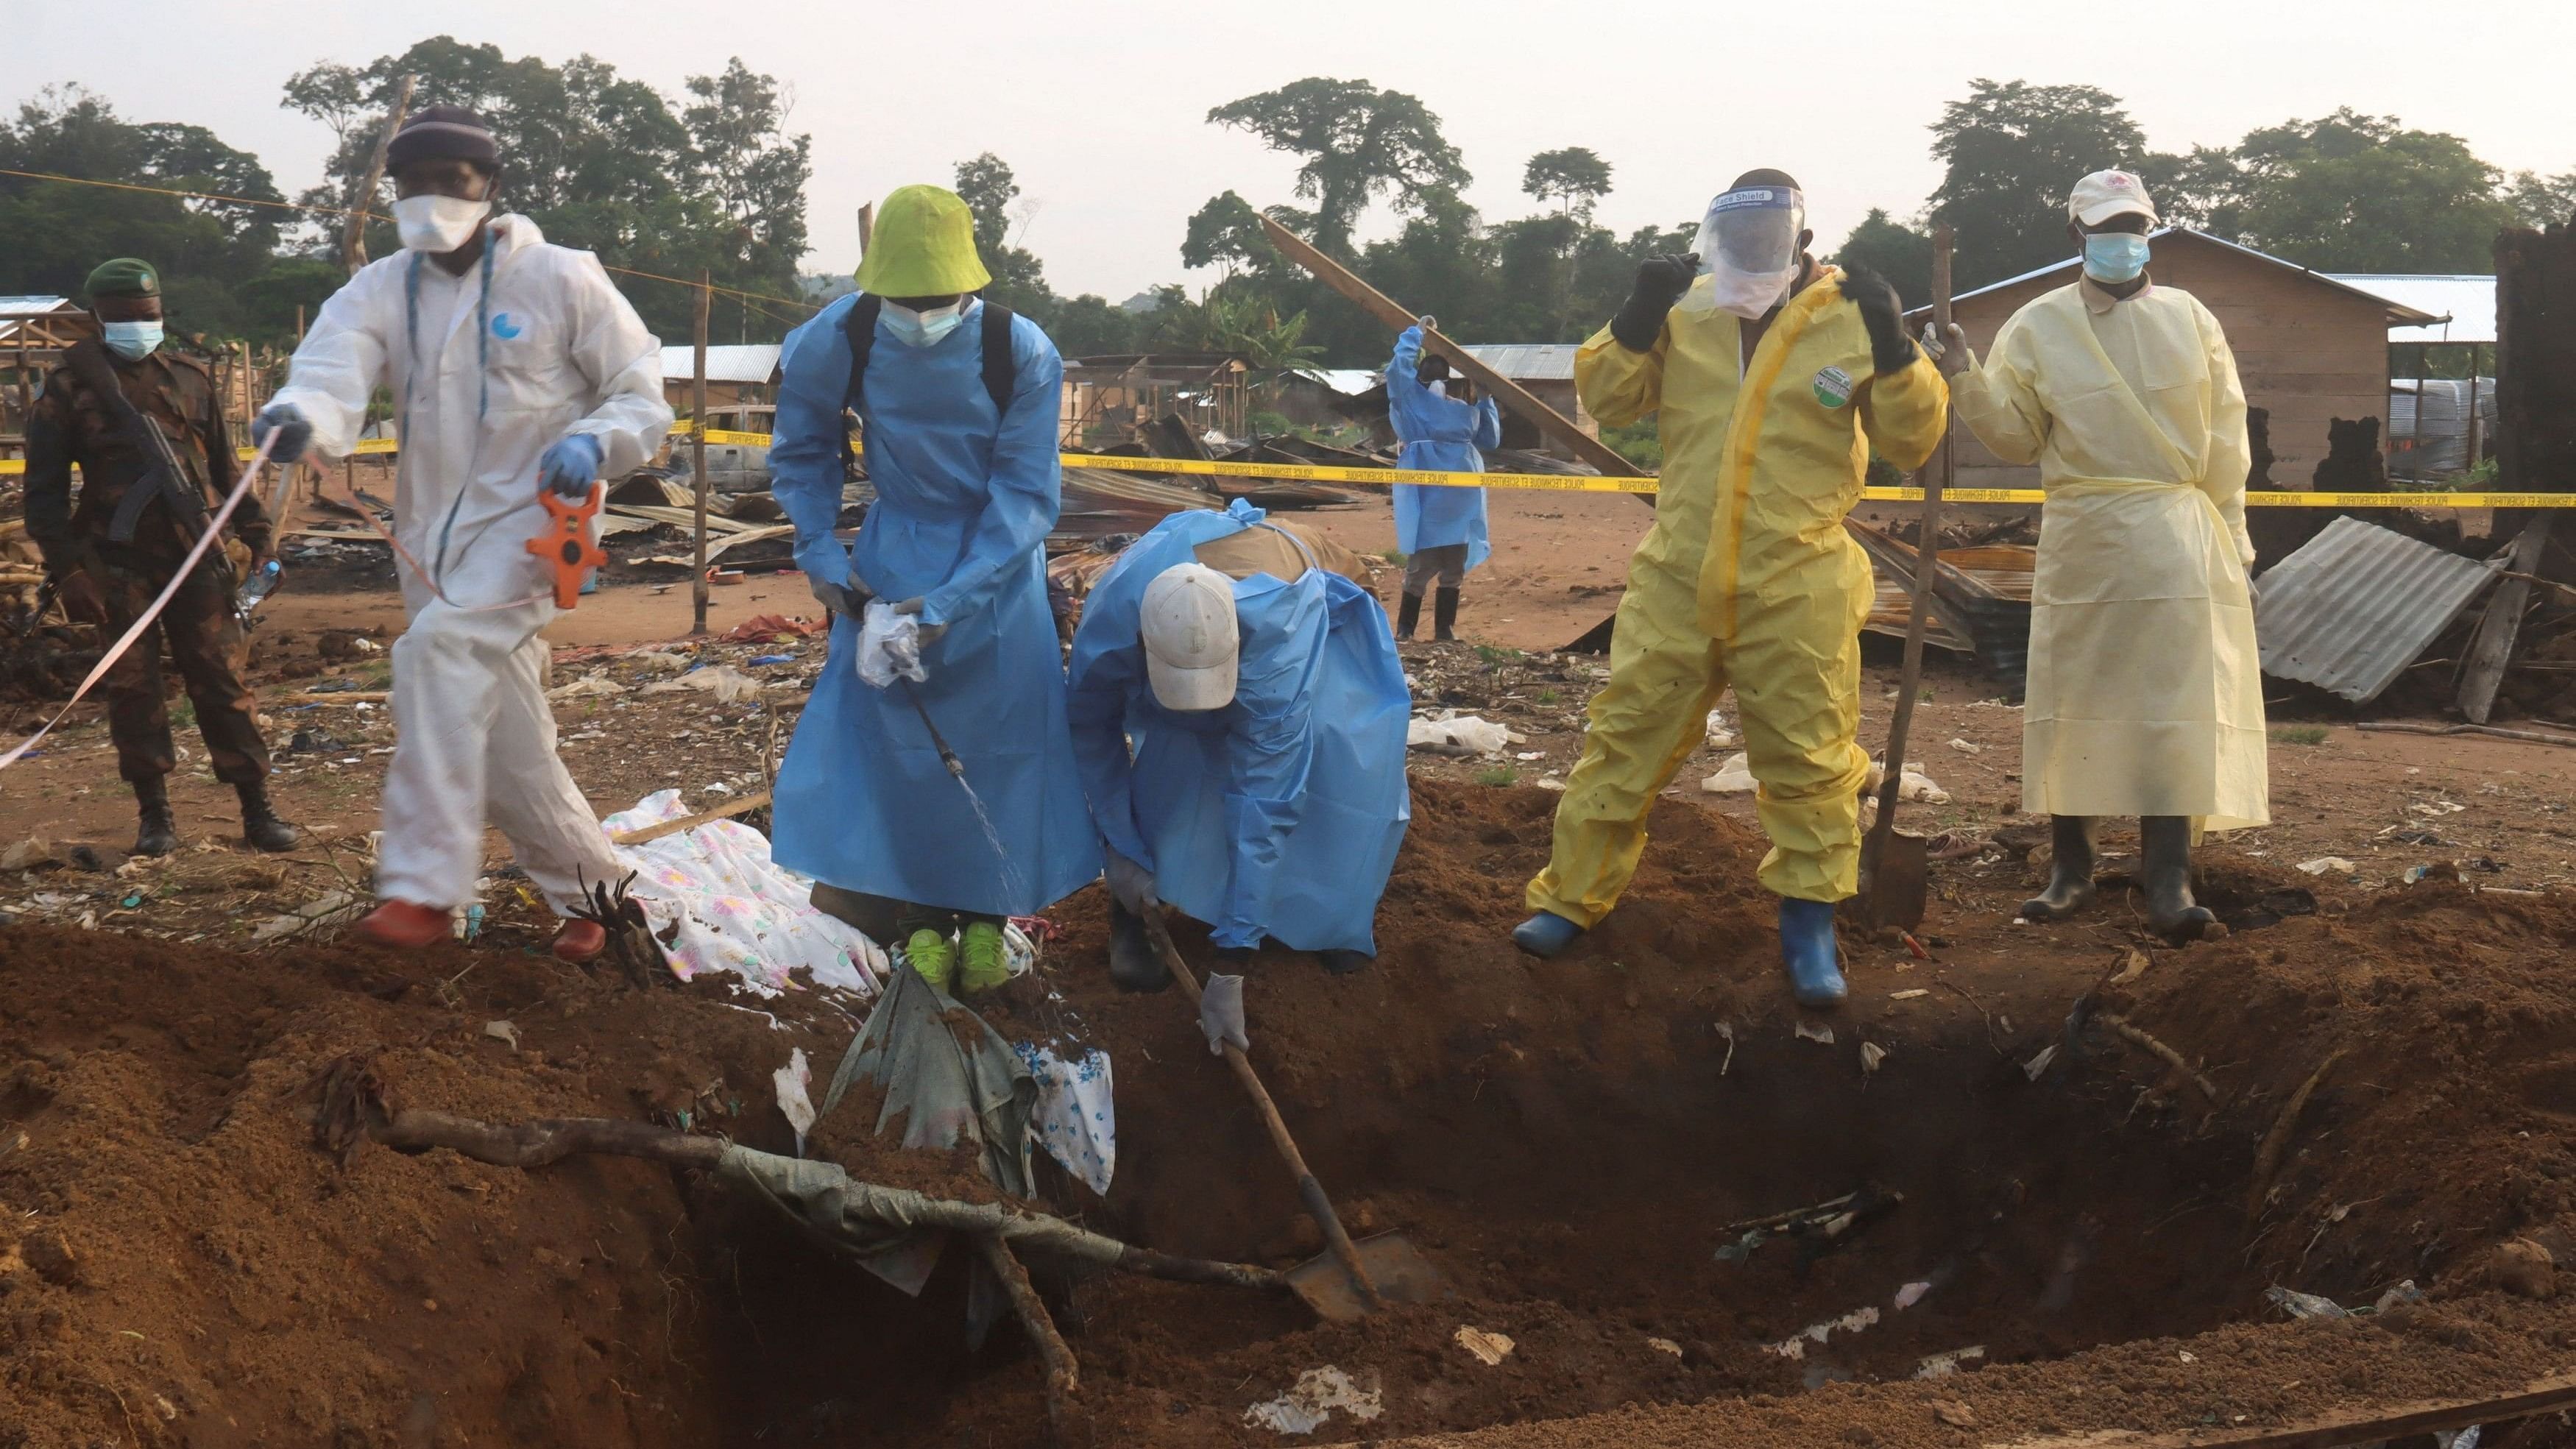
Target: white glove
{"points": [[889, 646], [1942, 350]]}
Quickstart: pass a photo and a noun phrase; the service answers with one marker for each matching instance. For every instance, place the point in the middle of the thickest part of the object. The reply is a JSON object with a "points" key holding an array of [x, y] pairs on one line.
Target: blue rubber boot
{"points": [[1546, 935], [1807, 948]]}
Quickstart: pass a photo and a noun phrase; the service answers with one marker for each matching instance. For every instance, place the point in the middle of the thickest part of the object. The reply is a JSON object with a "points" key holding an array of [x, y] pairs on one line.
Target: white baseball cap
{"points": [[2106, 194], [1190, 636]]}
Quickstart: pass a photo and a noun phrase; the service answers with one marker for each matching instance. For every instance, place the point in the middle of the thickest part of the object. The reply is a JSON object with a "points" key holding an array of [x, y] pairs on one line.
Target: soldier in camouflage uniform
{"points": [[115, 554]]}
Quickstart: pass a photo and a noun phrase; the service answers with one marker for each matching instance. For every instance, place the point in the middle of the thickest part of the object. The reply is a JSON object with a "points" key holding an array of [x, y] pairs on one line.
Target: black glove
{"points": [[1890, 350], [1660, 283]]}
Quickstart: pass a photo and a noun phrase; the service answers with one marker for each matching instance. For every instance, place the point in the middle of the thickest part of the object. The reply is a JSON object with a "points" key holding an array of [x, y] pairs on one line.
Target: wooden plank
{"points": [[1509, 393], [2498, 628], [742, 806], [680, 517]]}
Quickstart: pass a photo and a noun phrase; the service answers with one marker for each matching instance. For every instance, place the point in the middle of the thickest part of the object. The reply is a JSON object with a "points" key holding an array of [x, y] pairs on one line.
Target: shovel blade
{"points": [[1893, 889], [1399, 1270]]}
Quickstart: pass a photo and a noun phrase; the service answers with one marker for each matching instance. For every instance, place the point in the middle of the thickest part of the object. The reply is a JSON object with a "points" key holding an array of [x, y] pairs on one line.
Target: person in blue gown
{"points": [[1440, 528], [1266, 710], [959, 418]]}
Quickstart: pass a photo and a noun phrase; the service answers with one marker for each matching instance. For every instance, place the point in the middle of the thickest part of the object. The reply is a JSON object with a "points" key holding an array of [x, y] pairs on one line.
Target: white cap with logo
{"points": [[2106, 194], [1191, 639]]}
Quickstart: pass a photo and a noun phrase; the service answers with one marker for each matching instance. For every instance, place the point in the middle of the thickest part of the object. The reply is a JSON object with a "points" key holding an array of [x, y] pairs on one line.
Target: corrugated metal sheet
{"points": [[735, 364], [2356, 606], [1348, 381], [2468, 299], [31, 306], [1528, 361]]}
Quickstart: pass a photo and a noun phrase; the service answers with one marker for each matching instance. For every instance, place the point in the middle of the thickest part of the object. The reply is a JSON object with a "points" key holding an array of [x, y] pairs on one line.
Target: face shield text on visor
{"points": [[1748, 251]]}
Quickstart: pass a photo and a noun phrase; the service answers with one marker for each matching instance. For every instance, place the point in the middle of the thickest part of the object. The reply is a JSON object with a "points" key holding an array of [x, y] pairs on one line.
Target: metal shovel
{"points": [[1896, 865], [1348, 1279]]}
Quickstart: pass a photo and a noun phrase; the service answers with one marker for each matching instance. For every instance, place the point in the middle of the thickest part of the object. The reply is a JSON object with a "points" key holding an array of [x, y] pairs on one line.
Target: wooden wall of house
{"points": [[2306, 350]]}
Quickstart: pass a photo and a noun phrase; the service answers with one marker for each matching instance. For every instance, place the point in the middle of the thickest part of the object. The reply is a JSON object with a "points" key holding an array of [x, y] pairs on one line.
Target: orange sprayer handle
{"points": [[565, 542]]}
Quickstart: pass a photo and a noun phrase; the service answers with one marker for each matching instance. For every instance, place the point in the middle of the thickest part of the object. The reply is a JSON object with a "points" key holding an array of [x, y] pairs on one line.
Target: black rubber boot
{"points": [[1134, 965], [1444, 615], [2170, 909], [1343, 963], [159, 834], [2070, 874], [260, 825], [1407, 614]]}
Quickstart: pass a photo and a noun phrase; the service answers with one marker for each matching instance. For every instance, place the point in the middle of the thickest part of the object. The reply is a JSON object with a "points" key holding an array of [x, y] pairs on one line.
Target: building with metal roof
{"points": [[2462, 304], [736, 374]]}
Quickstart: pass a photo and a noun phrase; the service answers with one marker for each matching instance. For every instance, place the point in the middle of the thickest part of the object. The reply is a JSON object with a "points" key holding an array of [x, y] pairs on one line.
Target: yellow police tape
{"points": [[1591, 483]]}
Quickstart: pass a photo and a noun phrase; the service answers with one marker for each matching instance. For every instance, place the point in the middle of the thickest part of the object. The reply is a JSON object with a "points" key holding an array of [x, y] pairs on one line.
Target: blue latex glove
{"points": [[294, 431], [570, 466]]}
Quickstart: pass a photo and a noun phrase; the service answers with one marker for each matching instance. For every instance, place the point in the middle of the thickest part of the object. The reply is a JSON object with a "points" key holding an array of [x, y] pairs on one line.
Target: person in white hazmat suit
{"points": [[2145, 689], [515, 368]]}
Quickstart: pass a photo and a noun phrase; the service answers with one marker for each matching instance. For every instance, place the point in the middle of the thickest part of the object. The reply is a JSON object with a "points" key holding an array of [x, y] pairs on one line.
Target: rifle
{"points": [[164, 476]]}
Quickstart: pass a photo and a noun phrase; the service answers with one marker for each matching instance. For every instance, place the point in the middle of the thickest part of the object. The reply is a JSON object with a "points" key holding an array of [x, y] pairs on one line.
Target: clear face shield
{"points": [[1748, 250]]}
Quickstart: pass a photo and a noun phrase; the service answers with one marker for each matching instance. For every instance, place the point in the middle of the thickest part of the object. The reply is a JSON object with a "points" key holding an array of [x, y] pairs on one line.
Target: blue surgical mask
{"points": [[132, 341], [921, 329], [2115, 256]]}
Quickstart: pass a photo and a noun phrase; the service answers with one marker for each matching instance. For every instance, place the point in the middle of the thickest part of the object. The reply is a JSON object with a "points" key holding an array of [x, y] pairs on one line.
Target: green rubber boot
{"points": [[933, 955], [987, 964]]}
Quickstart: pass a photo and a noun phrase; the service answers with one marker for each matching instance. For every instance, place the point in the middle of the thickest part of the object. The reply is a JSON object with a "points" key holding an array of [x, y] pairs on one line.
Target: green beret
{"points": [[124, 277]]}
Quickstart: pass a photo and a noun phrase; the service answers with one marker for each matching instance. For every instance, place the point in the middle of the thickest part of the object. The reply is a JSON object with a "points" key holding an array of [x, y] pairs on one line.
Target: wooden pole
{"points": [[698, 454], [353, 236], [1509, 393], [867, 225]]}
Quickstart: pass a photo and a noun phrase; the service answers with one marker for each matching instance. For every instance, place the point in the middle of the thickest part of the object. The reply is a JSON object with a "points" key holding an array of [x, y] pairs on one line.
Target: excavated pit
{"points": [[1568, 1142]]}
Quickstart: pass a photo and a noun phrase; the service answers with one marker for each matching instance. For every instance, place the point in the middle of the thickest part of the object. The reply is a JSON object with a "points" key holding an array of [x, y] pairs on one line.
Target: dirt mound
{"points": [[1569, 1142]]}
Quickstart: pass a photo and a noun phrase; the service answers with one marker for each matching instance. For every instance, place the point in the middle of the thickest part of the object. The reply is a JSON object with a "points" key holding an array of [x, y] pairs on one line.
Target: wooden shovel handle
{"points": [[1310, 1193]]}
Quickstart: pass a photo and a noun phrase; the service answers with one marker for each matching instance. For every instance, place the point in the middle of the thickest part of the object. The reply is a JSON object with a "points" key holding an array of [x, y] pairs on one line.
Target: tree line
{"points": [[651, 183], [713, 179]]}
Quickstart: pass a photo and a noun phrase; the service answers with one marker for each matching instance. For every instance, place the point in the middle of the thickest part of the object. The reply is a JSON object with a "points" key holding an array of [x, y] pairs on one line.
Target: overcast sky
{"points": [[1101, 108]]}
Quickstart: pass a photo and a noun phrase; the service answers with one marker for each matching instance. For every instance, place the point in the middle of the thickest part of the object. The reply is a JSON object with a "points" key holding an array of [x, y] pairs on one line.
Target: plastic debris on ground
{"points": [[1719, 736], [725, 682], [735, 910], [1815, 1031], [587, 685], [503, 1031], [1319, 1394], [1489, 1348], [1915, 784], [1943, 1365], [1963, 747], [1912, 1293], [2328, 865], [1451, 733], [1076, 1117], [795, 1082], [1734, 777], [1852, 1322]]}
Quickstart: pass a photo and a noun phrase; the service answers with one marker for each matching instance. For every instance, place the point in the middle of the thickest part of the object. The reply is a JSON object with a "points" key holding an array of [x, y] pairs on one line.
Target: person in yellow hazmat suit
{"points": [[1770, 378], [2146, 692]]}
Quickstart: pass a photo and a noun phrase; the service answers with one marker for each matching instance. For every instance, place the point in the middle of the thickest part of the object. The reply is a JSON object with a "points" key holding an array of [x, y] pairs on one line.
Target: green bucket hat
{"points": [[923, 246], [123, 277]]}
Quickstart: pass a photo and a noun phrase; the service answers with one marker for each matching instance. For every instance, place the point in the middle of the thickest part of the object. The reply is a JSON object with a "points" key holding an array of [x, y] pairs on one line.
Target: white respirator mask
{"points": [[924, 328], [1748, 251], [438, 224]]}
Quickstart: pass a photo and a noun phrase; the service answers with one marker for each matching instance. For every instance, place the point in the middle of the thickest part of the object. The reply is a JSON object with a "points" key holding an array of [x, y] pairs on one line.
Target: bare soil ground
{"points": [[1569, 1142]]}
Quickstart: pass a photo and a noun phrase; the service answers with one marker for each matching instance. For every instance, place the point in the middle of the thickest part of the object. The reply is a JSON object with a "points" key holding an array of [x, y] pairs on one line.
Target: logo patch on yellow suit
{"points": [[1833, 387]]}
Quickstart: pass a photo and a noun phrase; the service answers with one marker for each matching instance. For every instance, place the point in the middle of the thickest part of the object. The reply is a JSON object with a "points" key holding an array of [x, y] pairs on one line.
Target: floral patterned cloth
{"points": [[737, 911], [1075, 1120]]}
